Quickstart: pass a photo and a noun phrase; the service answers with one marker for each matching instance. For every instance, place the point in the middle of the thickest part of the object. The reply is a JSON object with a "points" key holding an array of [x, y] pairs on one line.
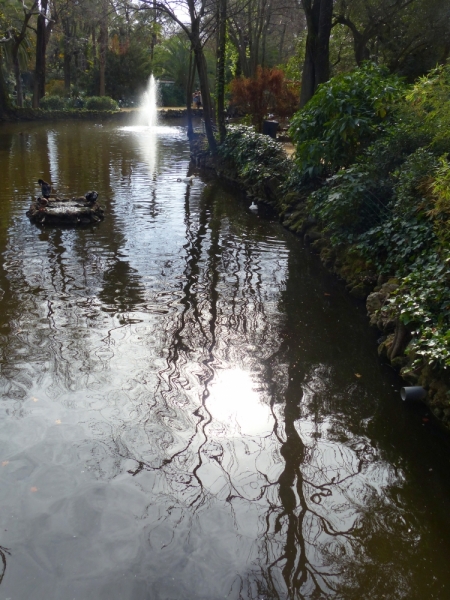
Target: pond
{"points": [[192, 408]]}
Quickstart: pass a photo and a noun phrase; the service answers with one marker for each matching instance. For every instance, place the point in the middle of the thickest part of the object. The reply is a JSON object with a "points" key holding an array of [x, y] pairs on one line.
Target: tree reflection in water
{"points": [[207, 429], [216, 434]]}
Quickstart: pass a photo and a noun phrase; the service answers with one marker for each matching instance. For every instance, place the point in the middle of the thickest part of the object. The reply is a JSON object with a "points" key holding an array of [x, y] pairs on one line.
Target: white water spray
{"points": [[149, 105]]}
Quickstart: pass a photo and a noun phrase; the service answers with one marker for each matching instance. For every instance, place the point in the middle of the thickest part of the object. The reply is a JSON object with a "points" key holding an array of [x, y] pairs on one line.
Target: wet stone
{"points": [[73, 212]]}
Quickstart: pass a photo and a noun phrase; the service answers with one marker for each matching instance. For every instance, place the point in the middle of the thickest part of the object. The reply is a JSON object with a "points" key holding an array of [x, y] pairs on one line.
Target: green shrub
{"points": [[52, 103], [351, 202], [75, 103], [55, 87], [344, 117], [407, 233], [100, 103], [256, 157], [172, 95], [438, 190], [422, 302]]}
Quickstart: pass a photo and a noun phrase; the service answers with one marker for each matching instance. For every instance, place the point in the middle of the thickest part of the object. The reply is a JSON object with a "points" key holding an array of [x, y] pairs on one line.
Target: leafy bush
{"points": [[172, 95], [404, 233], [429, 98], [439, 191], [76, 103], [256, 157], [55, 87], [343, 117], [423, 303], [52, 103], [266, 91], [407, 233], [100, 103], [351, 202]]}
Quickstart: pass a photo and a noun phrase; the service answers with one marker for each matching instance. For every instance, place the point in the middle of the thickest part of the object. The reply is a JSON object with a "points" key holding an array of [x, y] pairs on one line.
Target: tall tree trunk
{"points": [[153, 40], [103, 46], [94, 47], [18, 78], [18, 38], [204, 88], [67, 54], [67, 65], [189, 89], [41, 46], [4, 99], [220, 70], [281, 46], [316, 68]]}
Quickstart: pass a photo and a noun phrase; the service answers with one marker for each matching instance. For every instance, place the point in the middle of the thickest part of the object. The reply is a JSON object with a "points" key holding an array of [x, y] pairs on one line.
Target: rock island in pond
{"points": [[70, 212]]}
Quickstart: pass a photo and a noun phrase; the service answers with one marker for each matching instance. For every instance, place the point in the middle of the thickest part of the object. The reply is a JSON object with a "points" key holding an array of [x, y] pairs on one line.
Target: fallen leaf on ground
{"points": [[327, 294], [58, 421], [358, 375], [5, 462], [34, 399]]}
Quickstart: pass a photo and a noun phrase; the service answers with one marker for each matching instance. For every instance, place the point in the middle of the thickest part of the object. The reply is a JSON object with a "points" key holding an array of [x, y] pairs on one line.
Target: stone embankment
{"points": [[362, 282], [37, 114]]}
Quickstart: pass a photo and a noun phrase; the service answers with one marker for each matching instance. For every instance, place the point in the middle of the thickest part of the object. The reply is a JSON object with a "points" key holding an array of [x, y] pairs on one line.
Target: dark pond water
{"points": [[191, 408]]}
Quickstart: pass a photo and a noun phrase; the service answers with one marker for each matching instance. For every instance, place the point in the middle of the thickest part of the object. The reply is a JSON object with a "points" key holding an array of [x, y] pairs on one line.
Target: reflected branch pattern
{"points": [[188, 373]]}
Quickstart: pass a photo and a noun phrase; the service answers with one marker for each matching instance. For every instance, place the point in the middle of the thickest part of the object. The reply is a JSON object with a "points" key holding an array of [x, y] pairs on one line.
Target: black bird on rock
{"points": [[46, 188], [91, 197]]}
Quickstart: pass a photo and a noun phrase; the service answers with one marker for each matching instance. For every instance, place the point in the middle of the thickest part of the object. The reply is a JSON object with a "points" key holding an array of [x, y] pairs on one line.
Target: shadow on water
{"points": [[191, 407]]}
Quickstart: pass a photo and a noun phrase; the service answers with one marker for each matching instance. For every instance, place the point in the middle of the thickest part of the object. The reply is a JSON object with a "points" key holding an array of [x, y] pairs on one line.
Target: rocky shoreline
{"points": [[362, 282]]}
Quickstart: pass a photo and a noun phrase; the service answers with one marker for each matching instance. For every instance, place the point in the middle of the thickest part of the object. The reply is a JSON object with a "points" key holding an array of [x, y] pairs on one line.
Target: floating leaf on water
{"points": [[58, 421], [33, 489], [5, 462]]}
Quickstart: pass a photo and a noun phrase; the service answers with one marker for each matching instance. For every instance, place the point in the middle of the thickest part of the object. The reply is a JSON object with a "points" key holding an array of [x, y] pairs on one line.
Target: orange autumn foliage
{"points": [[266, 92]]}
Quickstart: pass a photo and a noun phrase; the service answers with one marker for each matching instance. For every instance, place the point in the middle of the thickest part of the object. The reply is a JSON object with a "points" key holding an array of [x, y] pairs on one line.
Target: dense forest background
{"points": [[77, 48]]}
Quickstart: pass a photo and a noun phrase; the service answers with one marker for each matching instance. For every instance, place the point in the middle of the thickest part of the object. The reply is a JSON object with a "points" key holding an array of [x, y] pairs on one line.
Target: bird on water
{"points": [[46, 188]]}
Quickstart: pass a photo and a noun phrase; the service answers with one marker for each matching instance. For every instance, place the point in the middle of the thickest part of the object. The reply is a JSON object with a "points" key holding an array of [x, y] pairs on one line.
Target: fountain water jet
{"points": [[149, 105]]}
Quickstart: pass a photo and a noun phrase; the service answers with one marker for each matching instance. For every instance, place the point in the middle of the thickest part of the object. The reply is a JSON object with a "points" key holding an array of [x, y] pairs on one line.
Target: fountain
{"points": [[149, 105]]}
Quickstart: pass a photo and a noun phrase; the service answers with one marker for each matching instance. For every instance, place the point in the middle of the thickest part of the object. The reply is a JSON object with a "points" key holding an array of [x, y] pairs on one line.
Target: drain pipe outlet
{"points": [[414, 393]]}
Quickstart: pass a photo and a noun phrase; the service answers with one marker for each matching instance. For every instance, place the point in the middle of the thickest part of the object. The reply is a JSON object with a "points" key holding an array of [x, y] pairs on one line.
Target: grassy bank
{"points": [[369, 189]]}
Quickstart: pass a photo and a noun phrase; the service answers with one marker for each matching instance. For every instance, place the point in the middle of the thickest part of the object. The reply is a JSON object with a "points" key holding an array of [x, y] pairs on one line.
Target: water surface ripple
{"points": [[191, 408]]}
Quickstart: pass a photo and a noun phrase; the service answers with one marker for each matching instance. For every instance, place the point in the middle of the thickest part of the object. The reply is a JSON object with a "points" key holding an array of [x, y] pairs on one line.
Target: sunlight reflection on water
{"points": [[234, 402], [180, 416]]}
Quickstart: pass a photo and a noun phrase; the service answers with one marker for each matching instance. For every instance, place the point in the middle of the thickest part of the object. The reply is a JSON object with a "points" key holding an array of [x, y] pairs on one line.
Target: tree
{"points": [[266, 91], [4, 99], [14, 41], [43, 31], [261, 31], [316, 67], [220, 70], [393, 32], [200, 15], [103, 45]]}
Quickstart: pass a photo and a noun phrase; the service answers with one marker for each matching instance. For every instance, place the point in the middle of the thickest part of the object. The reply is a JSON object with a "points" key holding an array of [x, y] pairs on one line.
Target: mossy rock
{"points": [[399, 362]]}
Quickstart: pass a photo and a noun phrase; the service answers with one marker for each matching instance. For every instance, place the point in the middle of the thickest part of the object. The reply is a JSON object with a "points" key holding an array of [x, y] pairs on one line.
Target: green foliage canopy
{"points": [[343, 117]]}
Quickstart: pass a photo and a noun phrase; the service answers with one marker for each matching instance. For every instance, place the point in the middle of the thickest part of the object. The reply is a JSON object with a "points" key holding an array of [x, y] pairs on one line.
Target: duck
{"points": [[186, 179], [46, 188], [253, 206], [91, 197]]}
